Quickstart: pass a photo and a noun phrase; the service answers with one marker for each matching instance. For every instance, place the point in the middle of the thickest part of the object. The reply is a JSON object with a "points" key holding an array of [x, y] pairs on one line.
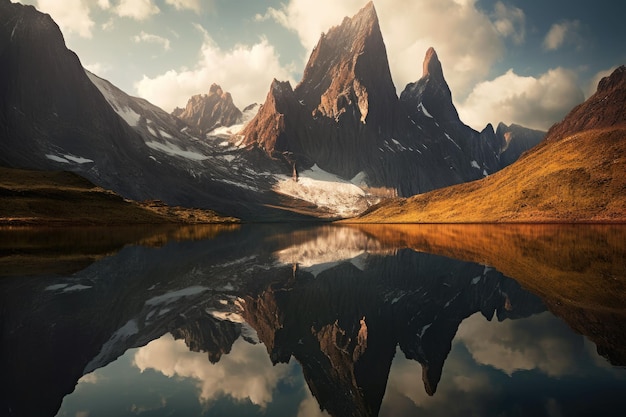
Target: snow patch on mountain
{"points": [[128, 115], [421, 108], [172, 296], [328, 191], [125, 112], [56, 158], [230, 131], [173, 150], [67, 158]]}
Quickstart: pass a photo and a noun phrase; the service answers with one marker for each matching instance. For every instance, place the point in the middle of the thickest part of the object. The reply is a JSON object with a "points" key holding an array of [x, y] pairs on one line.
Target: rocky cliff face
{"points": [[342, 108], [604, 109], [206, 112], [47, 103], [345, 117]]}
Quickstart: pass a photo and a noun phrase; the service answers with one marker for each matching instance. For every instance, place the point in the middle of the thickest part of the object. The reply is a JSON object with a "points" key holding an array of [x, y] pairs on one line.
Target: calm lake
{"points": [[277, 320]]}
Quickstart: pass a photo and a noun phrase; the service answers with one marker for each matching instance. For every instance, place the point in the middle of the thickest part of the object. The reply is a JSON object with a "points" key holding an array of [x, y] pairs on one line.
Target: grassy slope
{"points": [[580, 178], [52, 198]]}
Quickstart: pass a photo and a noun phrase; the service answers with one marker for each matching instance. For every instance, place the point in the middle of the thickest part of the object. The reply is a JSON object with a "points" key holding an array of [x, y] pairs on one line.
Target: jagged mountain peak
{"points": [[616, 80], [431, 92], [215, 89], [208, 111], [348, 65], [432, 65]]}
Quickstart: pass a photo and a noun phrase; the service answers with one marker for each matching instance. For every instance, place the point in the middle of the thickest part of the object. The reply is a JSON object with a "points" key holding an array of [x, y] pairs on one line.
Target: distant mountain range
{"points": [[333, 146]]}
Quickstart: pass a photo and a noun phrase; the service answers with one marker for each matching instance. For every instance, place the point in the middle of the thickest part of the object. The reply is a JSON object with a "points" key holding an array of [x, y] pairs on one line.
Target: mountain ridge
{"points": [[576, 174], [345, 117], [352, 131]]}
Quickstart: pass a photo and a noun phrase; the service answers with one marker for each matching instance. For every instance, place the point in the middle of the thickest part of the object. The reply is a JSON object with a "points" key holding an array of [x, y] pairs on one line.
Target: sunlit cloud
{"points": [[560, 33], [90, 378], [540, 342], [246, 71], [467, 41], [535, 102], [246, 373], [309, 407], [185, 4], [510, 21], [463, 390], [136, 9], [72, 16], [152, 38], [482, 352]]}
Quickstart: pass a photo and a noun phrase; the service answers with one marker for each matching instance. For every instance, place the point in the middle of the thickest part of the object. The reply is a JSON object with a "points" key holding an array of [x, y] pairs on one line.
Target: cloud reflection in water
{"points": [[244, 374]]}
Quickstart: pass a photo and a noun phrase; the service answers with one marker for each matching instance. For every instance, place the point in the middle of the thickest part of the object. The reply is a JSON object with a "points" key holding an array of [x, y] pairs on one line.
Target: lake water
{"points": [[276, 320]]}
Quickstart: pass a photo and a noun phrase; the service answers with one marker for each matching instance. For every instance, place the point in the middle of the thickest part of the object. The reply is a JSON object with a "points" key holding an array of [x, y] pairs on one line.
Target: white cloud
{"points": [[151, 38], [539, 342], [136, 9], [309, 407], [245, 373], [104, 4], [72, 16], [510, 21], [535, 102], [462, 390], [185, 4], [559, 33], [467, 41], [244, 71]]}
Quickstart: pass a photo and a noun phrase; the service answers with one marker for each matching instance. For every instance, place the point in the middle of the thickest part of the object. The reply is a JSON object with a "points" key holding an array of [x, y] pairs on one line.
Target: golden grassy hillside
{"points": [[579, 178], [62, 198]]}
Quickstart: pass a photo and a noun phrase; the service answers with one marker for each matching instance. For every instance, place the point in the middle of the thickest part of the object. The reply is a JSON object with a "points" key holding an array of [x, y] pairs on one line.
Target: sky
{"points": [[515, 61]]}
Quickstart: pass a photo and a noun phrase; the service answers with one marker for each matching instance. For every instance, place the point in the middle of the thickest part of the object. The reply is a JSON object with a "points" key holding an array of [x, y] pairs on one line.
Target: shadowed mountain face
{"points": [[575, 175], [345, 117], [341, 301], [55, 116]]}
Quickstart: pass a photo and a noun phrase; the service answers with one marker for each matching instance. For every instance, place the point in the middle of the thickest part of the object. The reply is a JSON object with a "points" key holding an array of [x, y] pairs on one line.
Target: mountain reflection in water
{"points": [[381, 320]]}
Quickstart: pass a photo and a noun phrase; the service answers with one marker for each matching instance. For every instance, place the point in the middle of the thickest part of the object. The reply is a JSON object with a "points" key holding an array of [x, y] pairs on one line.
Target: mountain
{"points": [[345, 117], [56, 116], [330, 148], [575, 175], [207, 112]]}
